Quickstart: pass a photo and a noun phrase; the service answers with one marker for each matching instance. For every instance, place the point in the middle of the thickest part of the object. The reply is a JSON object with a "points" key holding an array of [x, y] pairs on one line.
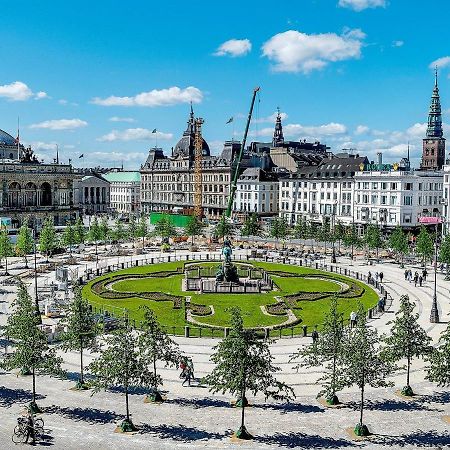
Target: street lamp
{"points": [[333, 216], [434, 313], [37, 311]]}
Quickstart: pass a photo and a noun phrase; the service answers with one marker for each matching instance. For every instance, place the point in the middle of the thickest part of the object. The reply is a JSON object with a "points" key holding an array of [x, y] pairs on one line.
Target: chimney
{"points": [[380, 158]]}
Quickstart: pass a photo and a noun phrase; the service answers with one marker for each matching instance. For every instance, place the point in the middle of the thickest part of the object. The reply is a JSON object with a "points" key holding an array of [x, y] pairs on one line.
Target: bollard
{"points": [[305, 330], [226, 332], [370, 312], [266, 333], [186, 331]]}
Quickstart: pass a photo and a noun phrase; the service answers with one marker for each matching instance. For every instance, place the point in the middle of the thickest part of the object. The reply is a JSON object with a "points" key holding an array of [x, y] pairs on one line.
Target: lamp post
{"points": [[434, 313], [36, 298], [333, 223]]}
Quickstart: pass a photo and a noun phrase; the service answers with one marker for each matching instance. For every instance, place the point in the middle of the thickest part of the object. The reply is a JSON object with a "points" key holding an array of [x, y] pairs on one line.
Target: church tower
{"points": [[278, 138], [433, 152]]}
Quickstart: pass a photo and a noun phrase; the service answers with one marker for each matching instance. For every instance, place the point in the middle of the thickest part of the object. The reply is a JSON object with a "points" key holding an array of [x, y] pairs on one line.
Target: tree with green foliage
{"points": [[131, 229], [25, 241], [224, 228], [351, 238], [398, 241], [156, 345], [69, 238], [80, 232], [444, 254], [120, 363], [193, 227], [300, 230], [142, 230], [165, 228], [31, 354], [252, 226], [95, 233], [48, 238], [406, 339], [339, 233], [80, 330], [373, 238], [424, 245], [118, 232], [279, 228], [105, 231], [438, 370], [363, 364], [6, 247], [243, 363], [327, 353]]}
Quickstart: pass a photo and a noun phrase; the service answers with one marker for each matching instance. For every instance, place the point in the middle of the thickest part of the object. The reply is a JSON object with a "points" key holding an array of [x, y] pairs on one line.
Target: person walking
{"points": [[31, 434], [315, 335], [416, 278], [406, 274], [376, 276], [424, 274], [187, 376], [381, 277], [420, 280], [353, 318], [410, 275]]}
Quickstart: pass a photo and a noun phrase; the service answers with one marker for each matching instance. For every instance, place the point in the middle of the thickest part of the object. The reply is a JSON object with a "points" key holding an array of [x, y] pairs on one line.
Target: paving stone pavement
{"points": [[193, 418]]}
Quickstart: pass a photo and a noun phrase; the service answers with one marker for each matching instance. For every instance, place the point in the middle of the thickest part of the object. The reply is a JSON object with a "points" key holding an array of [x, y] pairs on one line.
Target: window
{"points": [[384, 186], [408, 186], [420, 186], [394, 200], [383, 199], [407, 200]]}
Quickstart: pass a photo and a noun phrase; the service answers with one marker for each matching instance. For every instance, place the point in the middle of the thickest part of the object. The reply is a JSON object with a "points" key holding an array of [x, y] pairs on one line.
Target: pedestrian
{"points": [[420, 280], [315, 335], [376, 276], [30, 430], [187, 376], [353, 317], [190, 364], [416, 278], [381, 277], [380, 304], [424, 274], [406, 274], [410, 275]]}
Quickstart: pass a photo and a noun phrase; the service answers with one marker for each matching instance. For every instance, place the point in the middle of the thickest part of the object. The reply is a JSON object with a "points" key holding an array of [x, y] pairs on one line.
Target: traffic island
{"points": [[358, 433], [330, 402], [406, 394], [126, 427], [241, 435], [238, 403]]}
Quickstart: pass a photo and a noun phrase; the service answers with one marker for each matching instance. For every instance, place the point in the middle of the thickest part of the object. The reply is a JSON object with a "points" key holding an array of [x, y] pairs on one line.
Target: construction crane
{"points": [[239, 158], [198, 156]]}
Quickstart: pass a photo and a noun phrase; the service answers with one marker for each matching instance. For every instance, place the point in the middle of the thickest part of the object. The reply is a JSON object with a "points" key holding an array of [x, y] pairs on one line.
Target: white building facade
{"points": [[124, 191]]}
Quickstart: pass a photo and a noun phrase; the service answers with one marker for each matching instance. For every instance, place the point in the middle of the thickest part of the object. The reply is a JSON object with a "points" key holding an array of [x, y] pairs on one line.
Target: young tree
{"points": [[327, 352], [47, 238], [69, 237], [398, 241], [438, 370], [6, 248], [193, 227], [142, 230], [444, 253], [224, 228], [251, 226], [363, 364], [105, 231], [407, 339], [31, 351], [155, 345], [80, 330], [120, 363], [118, 232], [351, 238], [95, 233], [339, 233], [80, 232], [373, 238], [300, 230], [131, 229], [243, 363], [279, 228], [25, 241], [165, 228], [424, 245]]}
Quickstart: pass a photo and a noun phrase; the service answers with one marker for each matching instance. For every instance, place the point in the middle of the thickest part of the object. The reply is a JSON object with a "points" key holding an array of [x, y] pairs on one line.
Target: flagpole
{"points": [[18, 138]]}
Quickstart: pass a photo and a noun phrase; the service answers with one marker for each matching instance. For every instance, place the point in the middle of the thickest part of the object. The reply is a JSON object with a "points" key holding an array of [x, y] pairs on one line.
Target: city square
{"points": [[225, 226]]}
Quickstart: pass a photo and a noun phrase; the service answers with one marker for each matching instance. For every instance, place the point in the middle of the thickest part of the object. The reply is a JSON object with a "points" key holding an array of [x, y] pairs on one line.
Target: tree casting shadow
{"points": [[180, 433], [199, 402], [418, 439], [90, 415], [390, 405], [291, 407], [304, 441]]}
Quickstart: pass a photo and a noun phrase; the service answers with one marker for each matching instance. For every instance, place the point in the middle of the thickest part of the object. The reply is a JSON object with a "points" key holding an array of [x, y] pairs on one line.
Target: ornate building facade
{"points": [[31, 188], [433, 153]]}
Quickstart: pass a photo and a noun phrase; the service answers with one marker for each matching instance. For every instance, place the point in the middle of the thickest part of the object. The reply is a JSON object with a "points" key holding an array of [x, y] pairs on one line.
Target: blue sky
{"points": [[97, 77]]}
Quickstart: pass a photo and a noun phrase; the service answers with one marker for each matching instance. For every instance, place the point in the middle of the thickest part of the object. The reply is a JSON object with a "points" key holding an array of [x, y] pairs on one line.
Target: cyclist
{"points": [[30, 429]]}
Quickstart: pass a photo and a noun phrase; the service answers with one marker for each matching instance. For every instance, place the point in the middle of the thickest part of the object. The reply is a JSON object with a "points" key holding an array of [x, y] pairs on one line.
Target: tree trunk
{"points": [[154, 372], [34, 385], [96, 252], [242, 405], [81, 362], [6, 265], [126, 401], [408, 369], [361, 408]]}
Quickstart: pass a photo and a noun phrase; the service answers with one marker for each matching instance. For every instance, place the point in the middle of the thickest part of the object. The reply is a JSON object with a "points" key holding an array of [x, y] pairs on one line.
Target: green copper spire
{"points": [[434, 129]]}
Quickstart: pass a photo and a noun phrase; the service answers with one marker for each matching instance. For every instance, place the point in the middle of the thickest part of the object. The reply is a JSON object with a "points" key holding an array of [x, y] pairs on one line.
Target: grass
{"points": [[312, 312]]}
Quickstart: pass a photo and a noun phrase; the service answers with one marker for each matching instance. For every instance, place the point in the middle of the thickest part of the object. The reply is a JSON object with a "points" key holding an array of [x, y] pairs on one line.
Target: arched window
{"points": [[30, 194], [46, 194], [14, 192]]}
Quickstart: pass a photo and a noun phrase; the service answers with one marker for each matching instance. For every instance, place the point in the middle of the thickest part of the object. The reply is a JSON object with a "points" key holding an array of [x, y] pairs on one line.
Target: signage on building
{"points": [[429, 220], [5, 222], [378, 167]]}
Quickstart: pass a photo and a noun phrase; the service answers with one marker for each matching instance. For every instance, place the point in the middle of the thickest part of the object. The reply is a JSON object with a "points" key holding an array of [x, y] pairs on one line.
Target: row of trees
{"points": [[243, 363]]}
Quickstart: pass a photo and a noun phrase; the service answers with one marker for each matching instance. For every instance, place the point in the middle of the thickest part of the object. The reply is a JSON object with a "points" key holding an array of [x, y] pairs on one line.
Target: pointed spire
{"points": [[434, 129], [57, 154], [408, 152], [278, 138]]}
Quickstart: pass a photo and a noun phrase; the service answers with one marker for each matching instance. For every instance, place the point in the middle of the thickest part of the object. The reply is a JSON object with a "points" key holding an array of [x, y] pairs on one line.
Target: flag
{"points": [[81, 156], [154, 130], [230, 119]]}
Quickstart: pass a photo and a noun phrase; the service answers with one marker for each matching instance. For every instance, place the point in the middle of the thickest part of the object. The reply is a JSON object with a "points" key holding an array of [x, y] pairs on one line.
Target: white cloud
{"points": [[162, 97], [360, 5], [122, 119], [40, 95], [361, 129], [234, 47], [271, 119], [310, 132], [16, 91], [134, 134], [63, 101], [60, 124], [39, 145], [398, 43], [106, 158], [69, 146], [293, 51], [215, 146], [440, 63]]}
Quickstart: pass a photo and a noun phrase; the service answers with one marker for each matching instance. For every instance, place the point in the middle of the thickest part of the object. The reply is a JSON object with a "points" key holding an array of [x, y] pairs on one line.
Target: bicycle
{"points": [[20, 433]]}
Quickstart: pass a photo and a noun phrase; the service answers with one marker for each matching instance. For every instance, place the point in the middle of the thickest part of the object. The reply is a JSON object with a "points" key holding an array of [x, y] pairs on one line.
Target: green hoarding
{"points": [[178, 220]]}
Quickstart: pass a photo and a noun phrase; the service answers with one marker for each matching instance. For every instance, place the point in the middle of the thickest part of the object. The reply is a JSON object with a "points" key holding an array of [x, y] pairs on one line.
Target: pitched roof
{"points": [[123, 177]]}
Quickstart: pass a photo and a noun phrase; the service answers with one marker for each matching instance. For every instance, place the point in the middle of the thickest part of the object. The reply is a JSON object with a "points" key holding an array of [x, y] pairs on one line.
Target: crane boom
{"points": [[198, 176], [239, 158]]}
